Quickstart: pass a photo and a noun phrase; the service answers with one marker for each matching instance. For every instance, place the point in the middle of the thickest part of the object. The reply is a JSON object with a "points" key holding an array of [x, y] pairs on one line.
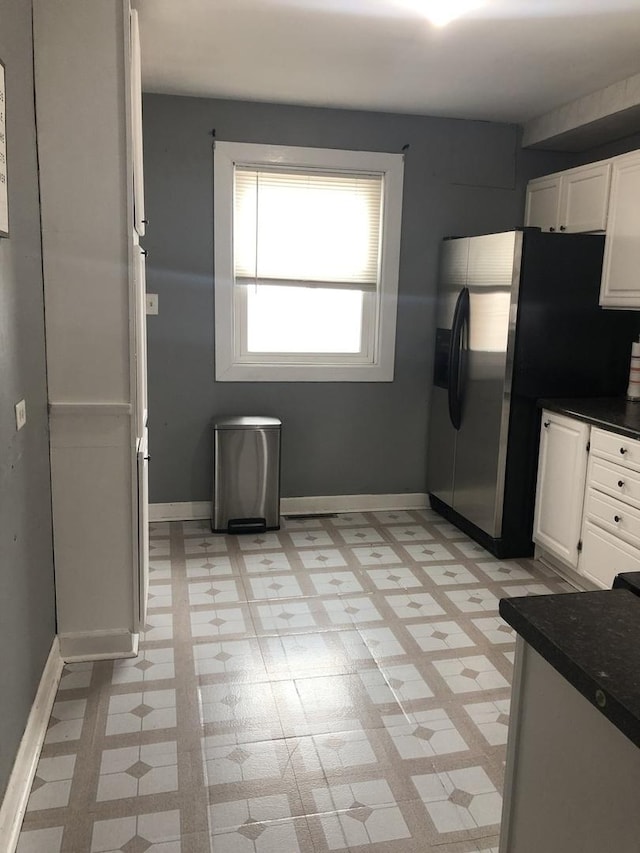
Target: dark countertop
{"points": [[628, 580], [593, 640], [614, 413]]}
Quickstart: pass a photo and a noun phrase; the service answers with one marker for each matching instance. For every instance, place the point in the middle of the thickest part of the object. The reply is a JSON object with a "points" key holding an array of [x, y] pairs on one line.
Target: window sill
{"points": [[304, 373]]}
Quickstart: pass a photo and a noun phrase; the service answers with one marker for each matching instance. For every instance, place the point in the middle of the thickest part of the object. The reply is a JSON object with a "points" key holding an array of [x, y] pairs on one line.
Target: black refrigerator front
{"points": [[517, 319]]}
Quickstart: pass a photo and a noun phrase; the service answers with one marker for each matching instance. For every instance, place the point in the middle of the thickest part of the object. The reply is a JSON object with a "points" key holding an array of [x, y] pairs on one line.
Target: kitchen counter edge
{"points": [[591, 639], [616, 414]]}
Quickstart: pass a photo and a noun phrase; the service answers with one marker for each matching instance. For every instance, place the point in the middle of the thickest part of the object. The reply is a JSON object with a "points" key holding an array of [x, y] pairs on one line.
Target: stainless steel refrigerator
{"points": [[517, 320]]}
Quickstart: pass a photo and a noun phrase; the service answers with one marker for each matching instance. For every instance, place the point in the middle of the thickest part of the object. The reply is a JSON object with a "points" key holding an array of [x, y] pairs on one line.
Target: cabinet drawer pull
{"points": [[621, 483], [623, 450], [563, 227], [547, 424], [552, 228], [617, 519]]}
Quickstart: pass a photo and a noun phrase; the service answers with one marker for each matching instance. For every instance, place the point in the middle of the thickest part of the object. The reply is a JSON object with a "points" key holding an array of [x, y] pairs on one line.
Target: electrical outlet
{"points": [[21, 414], [152, 303]]}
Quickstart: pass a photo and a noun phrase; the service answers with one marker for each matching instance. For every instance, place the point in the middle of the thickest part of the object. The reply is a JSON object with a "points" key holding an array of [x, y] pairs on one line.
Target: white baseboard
{"points": [[191, 510], [98, 645], [25, 765]]}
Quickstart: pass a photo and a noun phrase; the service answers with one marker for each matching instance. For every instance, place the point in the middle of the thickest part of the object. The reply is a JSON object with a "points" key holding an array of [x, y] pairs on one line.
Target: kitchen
{"points": [[461, 177]]}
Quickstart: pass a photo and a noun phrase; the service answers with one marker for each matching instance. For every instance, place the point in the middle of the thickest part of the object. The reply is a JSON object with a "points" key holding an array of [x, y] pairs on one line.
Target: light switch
{"points": [[21, 414], [152, 303]]}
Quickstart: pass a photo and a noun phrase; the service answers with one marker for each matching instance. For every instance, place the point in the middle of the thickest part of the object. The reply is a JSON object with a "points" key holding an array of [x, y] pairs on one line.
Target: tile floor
{"points": [[342, 684]]}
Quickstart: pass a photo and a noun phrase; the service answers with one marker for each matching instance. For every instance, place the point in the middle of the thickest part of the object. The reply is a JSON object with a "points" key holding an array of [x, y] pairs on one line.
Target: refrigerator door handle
{"points": [[460, 319]]}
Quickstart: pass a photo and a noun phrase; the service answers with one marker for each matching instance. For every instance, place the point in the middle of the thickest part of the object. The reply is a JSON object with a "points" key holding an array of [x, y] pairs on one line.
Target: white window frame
{"points": [[376, 364]]}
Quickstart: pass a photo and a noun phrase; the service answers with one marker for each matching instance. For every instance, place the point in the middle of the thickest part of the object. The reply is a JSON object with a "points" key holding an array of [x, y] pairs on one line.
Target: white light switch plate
{"points": [[21, 414], [152, 303]]}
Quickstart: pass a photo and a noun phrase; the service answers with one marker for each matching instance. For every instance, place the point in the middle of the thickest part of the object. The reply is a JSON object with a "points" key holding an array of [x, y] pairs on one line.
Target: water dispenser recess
{"points": [[246, 475]]}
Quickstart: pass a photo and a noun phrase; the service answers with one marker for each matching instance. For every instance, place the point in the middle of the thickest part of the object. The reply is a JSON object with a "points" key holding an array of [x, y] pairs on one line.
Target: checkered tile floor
{"points": [[342, 684]]}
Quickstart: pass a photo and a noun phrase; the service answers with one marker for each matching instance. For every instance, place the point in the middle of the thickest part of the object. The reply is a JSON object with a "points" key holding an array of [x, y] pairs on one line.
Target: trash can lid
{"points": [[246, 422]]}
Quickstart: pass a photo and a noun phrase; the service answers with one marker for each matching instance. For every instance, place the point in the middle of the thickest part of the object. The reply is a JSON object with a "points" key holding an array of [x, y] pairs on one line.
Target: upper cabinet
{"points": [[136, 125], [574, 201], [598, 197], [621, 266]]}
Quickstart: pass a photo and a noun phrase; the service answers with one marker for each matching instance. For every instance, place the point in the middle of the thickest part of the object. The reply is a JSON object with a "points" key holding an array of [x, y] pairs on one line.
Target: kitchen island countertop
{"points": [[613, 413], [593, 640]]}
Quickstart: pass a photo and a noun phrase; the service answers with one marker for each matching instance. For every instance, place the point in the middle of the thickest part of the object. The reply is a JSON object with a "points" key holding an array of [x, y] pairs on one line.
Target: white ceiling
{"points": [[510, 60]]}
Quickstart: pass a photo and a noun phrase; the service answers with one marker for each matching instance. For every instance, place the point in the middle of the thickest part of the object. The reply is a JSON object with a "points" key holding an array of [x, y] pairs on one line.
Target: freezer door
{"points": [[442, 434], [480, 457]]}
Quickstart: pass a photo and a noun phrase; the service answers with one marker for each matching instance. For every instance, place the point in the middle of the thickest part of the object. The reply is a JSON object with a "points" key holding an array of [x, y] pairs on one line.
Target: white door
{"points": [[562, 471], [543, 203], [585, 199], [620, 282], [604, 555], [143, 528]]}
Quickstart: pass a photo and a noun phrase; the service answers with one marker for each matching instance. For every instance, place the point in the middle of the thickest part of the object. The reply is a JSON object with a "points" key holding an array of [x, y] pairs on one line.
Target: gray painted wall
{"points": [[461, 177], [27, 616]]}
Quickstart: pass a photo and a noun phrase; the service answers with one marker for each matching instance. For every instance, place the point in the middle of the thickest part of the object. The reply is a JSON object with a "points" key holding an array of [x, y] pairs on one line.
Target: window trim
{"points": [[230, 364]]}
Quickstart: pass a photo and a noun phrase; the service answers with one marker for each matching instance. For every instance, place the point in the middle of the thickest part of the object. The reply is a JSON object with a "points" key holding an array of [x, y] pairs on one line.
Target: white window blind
{"points": [[310, 228]]}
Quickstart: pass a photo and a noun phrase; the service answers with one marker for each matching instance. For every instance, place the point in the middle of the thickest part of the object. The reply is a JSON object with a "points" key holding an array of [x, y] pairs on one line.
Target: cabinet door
{"points": [[584, 198], [604, 556], [543, 203], [143, 529], [140, 339], [136, 127], [621, 266], [562, 470]]}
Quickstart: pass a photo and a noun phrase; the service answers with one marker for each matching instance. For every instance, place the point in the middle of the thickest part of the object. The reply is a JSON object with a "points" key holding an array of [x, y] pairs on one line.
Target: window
{"points": [[306, 263]]}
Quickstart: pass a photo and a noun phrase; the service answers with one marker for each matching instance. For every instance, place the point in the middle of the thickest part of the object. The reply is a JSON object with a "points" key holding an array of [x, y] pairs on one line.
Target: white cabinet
{"points": [[587, 516], [621, 266], [136, 126], [543, 203], [85, 79], [572, 777], [611, 529], [604, 555], [574, 201], [562, 469], [143, 529]]}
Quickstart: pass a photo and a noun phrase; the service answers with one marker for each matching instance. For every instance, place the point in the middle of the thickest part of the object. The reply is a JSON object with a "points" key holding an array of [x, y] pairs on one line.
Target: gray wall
{"points": [[461, 177], [27, 619]]}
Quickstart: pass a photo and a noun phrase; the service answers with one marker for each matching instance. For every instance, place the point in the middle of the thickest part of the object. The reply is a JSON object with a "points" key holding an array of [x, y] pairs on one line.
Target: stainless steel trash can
{"points": [[246, 475]]}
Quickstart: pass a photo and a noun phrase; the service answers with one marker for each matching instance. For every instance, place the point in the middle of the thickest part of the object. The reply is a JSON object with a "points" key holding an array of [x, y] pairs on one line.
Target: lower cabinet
{"points": [[143, 528], [588, 499], [562, 471], [604, 555]]}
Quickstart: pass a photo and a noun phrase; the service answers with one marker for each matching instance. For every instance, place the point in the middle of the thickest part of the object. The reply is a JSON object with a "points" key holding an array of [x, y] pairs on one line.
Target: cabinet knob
{"points": [[563, 227], [552, 228], [617, 519], [623, 450], [621, 483], [547, 424]]}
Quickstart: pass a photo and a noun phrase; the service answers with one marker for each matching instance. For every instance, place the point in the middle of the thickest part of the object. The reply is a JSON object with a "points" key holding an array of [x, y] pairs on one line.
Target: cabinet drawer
{"points": [[625, 451], [604, 556], [619, 518], [617, 481]]}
